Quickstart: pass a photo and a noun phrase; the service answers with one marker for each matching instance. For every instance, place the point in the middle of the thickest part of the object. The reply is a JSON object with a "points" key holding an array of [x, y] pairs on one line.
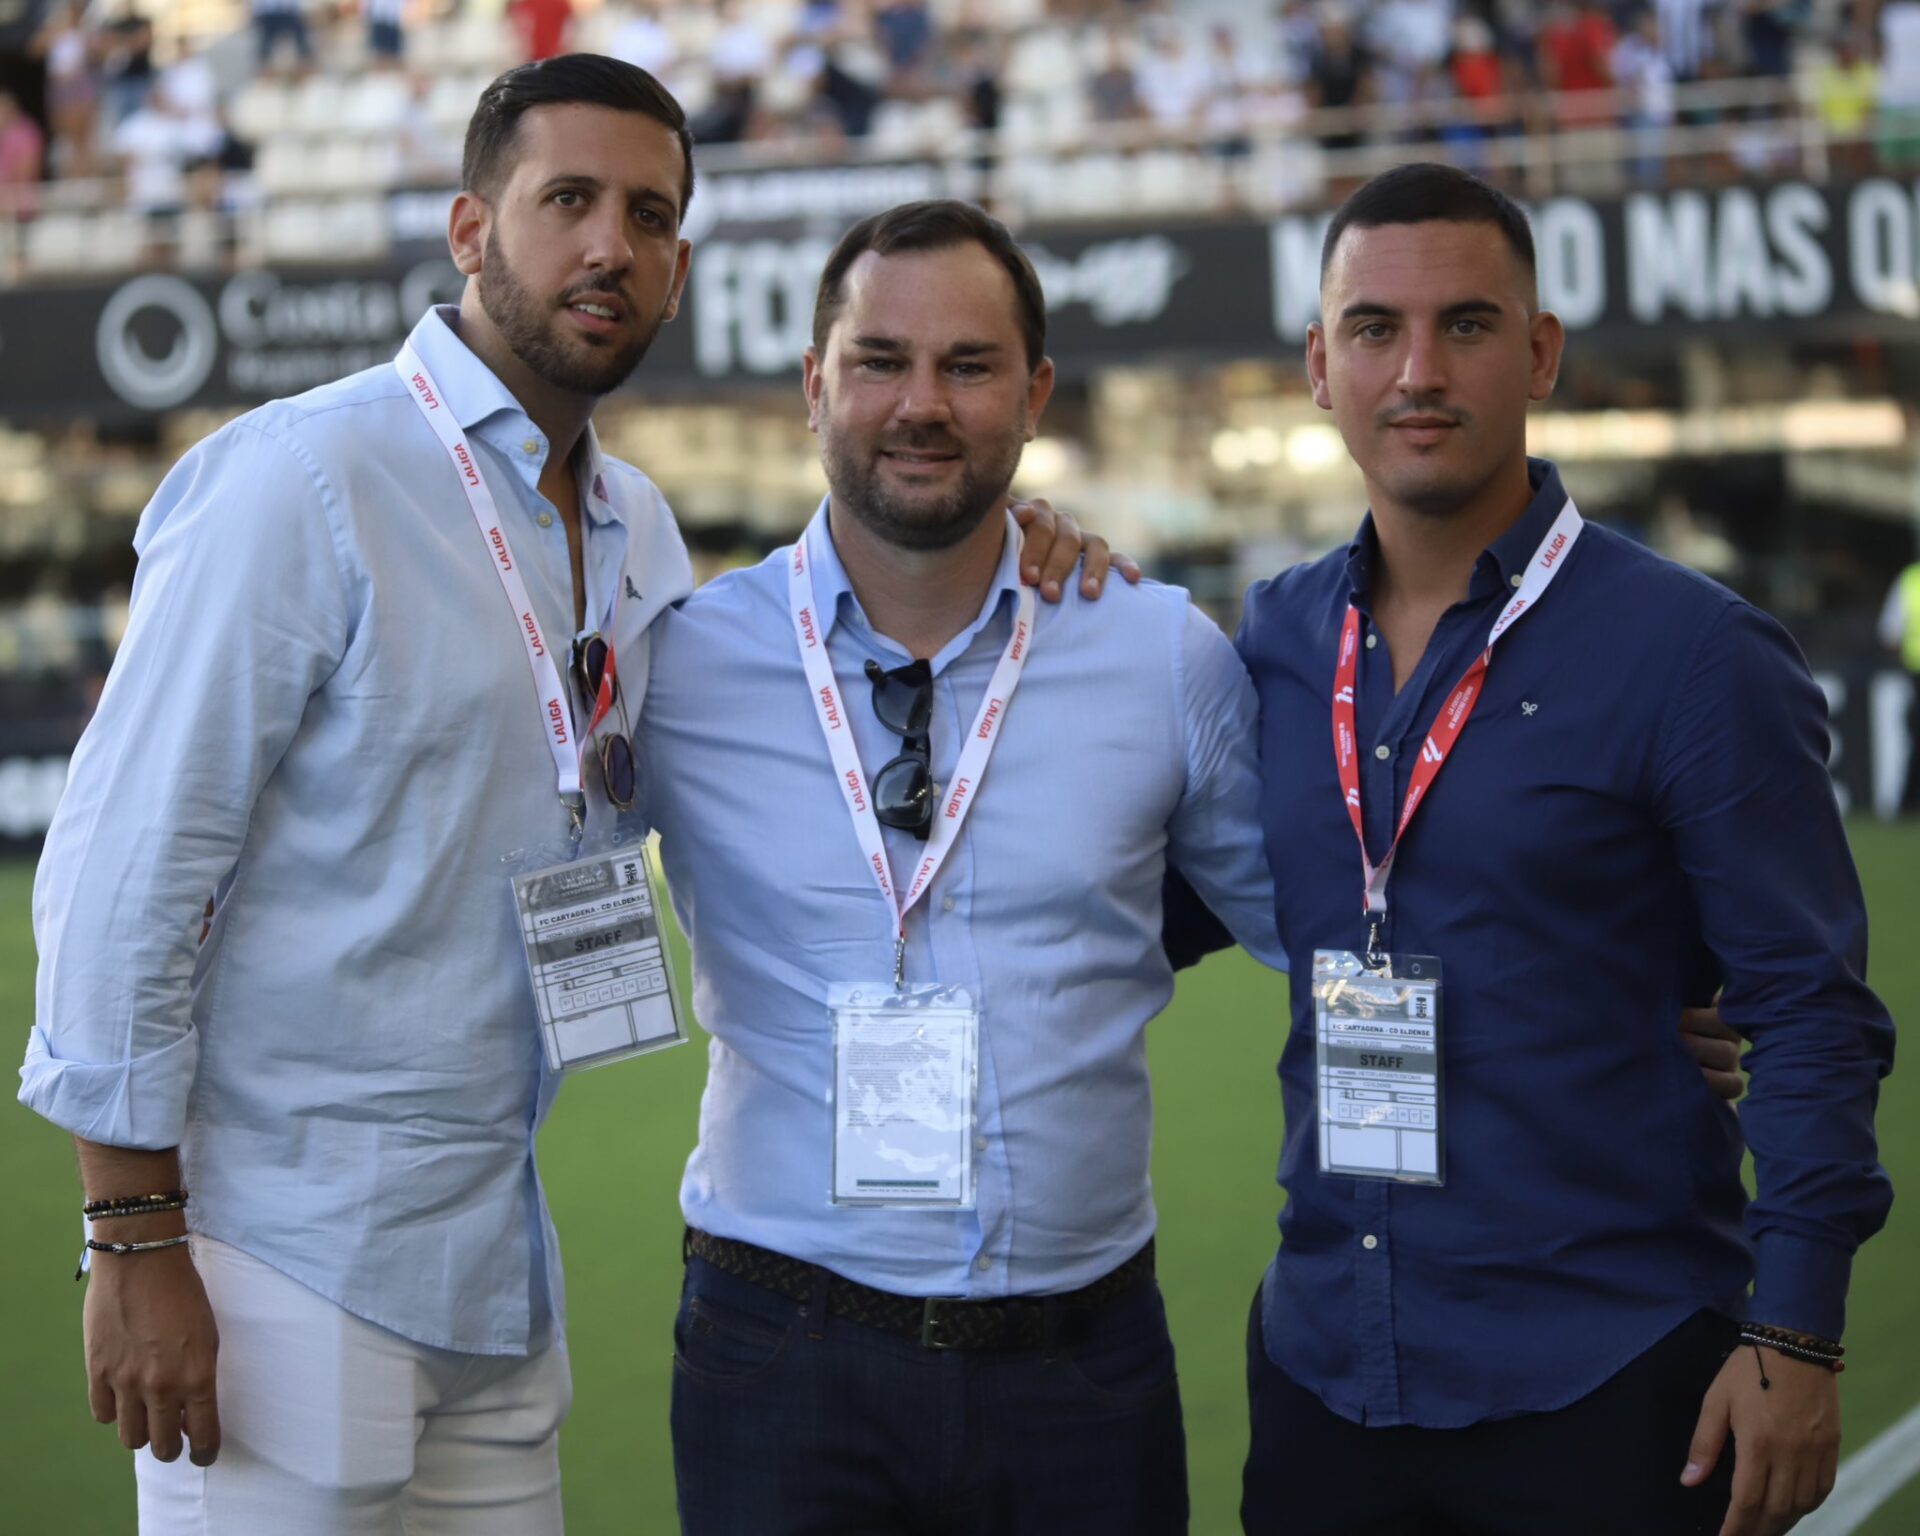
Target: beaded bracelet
{"points": [[135, 1205], [1795, 1346], [151, 1207]]}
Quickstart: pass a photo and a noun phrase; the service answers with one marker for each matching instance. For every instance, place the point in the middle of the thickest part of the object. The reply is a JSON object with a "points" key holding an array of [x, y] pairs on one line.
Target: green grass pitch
{"points": [[612, 1156]]}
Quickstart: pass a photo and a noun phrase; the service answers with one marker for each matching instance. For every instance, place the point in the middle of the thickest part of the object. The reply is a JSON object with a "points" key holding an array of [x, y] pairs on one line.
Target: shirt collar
{"points": [[475, 395], [1506, 557], [833, 590]]}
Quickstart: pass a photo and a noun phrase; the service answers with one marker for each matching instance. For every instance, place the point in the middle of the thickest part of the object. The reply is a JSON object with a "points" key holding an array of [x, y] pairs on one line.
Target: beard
{"points": [[932, 520], [528, 328]]}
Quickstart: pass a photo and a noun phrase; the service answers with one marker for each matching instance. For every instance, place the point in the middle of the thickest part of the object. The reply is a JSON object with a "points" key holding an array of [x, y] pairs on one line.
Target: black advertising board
{"points": [[1639, 272]]}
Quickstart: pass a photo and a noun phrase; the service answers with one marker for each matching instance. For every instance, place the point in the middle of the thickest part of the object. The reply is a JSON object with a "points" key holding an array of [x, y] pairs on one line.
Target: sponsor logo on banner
{"points": [[155, 302]]}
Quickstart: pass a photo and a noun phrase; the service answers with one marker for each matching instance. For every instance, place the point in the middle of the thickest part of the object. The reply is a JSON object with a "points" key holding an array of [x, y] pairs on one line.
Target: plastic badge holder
{"points": [[905, 1073]]}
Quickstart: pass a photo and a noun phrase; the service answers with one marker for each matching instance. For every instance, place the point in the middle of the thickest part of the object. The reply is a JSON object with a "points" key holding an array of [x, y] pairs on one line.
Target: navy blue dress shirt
{"points": [[1638, 808]]}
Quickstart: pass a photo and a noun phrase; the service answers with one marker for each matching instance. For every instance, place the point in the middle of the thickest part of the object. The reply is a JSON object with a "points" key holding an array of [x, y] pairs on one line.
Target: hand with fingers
{"points": [[151, 1346], [1052, 543], [1715, 1048], [1784, 1417]]}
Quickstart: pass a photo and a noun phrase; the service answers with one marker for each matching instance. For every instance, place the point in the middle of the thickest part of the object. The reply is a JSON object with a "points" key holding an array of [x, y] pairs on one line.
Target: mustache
{"points": [[926, 440], [590, 295]]}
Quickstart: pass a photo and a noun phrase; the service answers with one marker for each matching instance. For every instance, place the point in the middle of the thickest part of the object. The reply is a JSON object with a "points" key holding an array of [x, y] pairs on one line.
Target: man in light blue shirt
{"points": [[815, 1389]]}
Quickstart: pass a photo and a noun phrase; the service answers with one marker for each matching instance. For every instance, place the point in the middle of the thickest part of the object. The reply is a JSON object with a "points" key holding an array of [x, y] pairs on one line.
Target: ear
{"points": [[812, 381], [1548, 338], [1317, 365], [1039, 392], [468, 223], [681, 263]]}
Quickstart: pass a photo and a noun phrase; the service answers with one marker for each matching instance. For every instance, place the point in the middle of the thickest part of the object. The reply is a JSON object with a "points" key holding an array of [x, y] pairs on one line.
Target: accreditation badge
{"points": [[905, 1069], [1377, 1066], [602, 981]]}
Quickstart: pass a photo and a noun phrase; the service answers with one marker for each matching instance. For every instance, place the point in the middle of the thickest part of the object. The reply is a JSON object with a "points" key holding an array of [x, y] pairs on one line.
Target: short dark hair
{"points": [[935, 225], [588, 79], [1425, 192]]}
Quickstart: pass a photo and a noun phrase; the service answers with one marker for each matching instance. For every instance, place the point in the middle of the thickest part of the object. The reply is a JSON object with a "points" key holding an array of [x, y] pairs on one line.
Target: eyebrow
{"points": [[893, 344], [1368, 309]]}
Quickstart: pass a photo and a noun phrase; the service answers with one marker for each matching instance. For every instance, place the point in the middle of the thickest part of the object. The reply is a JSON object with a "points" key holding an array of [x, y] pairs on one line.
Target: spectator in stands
{"points": [[905, 31], [1899, 630], [1845, 87], [1686, 36], [544, 27], [1640, 68], [1113, 94], [1337, 76], [124, 47], [1767, 29], [1172, 81], [1576, 45], [73, 88], [155, 145], [278, 25], [1407, 38], [386, 32], [23, 158]]}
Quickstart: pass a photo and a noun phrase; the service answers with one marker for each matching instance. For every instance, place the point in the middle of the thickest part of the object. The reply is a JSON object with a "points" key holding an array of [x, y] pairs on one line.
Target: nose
{"points": [[609, 251], [1423, 370], [924, 397]]}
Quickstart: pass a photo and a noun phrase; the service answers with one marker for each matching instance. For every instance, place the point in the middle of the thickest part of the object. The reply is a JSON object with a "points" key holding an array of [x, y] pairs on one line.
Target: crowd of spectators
{"points": [[821, 74]]}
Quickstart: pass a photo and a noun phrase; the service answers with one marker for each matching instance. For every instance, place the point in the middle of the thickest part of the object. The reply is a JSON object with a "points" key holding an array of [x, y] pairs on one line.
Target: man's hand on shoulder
{"points": [[1784, 1415], [151, 1346], [1052, 544]]}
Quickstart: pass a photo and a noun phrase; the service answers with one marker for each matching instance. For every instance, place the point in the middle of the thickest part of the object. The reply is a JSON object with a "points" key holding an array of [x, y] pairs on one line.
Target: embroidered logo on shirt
{"points": [[1528, 707], [632, 591]]}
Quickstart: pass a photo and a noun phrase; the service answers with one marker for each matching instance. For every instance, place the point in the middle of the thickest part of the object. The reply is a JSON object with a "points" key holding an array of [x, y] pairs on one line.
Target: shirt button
{"points": [[979, 1143], [1369, 1242], [1383, 751], [531, 445], [545, 519], [946, 903], [1372, 641], [1513, 581], [984, 1262]]}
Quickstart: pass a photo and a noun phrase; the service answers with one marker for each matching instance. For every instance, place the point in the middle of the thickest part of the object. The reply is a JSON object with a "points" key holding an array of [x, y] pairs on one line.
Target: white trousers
{"points": [[331, 1426]]}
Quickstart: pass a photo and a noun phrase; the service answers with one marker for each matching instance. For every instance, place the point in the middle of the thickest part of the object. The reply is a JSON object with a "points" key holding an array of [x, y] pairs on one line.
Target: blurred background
{"points": [[206, 203]]}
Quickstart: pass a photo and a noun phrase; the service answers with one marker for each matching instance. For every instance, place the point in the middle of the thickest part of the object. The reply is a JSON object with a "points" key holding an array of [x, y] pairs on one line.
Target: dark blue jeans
{"points": [[787, 1422]]}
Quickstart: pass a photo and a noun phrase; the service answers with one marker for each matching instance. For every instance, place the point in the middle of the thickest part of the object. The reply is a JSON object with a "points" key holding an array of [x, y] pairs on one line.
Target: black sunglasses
{"points": [[589, 669], [903, 788]]}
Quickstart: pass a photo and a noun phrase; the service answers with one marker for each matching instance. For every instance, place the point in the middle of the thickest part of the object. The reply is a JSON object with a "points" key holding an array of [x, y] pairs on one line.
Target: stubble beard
{"points": [[917, 522], [527, 327]]}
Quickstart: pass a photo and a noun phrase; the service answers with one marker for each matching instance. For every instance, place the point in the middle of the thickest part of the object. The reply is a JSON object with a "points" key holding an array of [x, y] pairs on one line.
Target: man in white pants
{"points": [[321, 713]]}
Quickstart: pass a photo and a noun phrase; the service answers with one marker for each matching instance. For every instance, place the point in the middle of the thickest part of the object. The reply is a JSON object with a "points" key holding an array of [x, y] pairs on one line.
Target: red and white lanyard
{"points": [[548, 679], [829, 706], [1452, 719]]}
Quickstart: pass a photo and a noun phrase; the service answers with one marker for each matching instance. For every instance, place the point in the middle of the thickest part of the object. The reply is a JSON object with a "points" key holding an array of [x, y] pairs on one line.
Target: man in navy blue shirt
{"points": [[1620, 802]]}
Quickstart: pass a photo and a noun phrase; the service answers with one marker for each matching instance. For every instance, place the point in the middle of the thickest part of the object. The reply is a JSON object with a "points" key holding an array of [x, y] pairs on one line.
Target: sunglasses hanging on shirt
{"points": [[903, 787], [589, 668]]}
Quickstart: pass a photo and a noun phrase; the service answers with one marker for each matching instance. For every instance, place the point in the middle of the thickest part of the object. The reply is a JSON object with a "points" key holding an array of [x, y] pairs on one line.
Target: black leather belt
{"points": [[939, 1322]]}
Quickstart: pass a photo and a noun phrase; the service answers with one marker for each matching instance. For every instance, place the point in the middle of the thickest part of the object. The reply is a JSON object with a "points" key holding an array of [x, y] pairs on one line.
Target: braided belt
{"points": [[938, 1322]]}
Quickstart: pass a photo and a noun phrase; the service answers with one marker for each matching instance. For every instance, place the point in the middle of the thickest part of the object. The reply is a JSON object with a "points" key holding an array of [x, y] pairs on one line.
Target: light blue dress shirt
{"points": [[1130, 743], [323, 711]]}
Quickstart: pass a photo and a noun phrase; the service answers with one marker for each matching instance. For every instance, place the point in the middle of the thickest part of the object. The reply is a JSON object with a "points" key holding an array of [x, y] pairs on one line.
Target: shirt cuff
{"points": [[1800, 1285], [138, 1102]]}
